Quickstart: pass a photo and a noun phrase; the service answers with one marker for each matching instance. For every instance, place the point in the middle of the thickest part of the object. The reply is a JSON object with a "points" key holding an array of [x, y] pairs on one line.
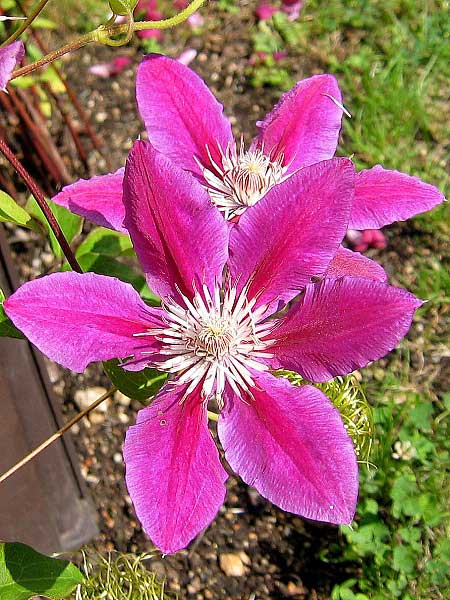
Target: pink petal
{"points": [[173, 471], [181, 115], [340, 325], [291, 235], [305, 124], [98, 199], [382, 197], [10, 56], [187, 56], [179, 236], [113, 67], [78, 319], [290, 443], [346, 262]]}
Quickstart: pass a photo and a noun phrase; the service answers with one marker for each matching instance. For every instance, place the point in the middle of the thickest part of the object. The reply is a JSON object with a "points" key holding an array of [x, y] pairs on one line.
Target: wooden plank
{"points": [[45, 504]]}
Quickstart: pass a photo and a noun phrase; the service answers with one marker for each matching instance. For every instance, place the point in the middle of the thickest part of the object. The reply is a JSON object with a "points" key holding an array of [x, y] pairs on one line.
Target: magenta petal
{"points": [[173, 471], [10, 56], [346, 262], [181, 115], [382, 197], [340, 325], [179, 236], [291, 235], [98, 199], [290, 443], [305, 124], [78, 319]]}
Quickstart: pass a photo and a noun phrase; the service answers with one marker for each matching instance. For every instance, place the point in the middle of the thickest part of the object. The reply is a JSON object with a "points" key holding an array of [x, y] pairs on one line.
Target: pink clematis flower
{"points": [[217, 335], [10, 56], [186, 123]]}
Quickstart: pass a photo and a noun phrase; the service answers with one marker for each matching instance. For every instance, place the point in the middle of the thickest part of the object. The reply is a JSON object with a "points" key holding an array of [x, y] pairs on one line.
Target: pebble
{"points": [[232, 564], [122, 399], [84, 398], [96, 418], [117, 458], [124, 418], [295, 589], [101, 117]]}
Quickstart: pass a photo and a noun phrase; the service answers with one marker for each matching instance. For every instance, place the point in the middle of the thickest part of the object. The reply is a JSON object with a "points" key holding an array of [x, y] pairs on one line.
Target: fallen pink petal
{"points": [[109, 69], [292, 8], [187, 56]]}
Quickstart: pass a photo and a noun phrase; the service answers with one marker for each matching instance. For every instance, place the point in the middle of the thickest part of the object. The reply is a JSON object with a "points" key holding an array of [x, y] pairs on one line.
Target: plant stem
{"points": [[104, 33], [75, 45], [34, 13], [56, 435], [34, 189]]}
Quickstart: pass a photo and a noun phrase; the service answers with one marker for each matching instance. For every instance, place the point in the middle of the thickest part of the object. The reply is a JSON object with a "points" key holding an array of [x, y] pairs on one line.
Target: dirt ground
{"points": [[277, 554]]}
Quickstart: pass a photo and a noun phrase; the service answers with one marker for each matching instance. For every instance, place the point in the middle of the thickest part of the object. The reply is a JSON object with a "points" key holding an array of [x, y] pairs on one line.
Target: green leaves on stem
{"points": [[11, 212], [137, 385], [25, 573], [7, 329]]}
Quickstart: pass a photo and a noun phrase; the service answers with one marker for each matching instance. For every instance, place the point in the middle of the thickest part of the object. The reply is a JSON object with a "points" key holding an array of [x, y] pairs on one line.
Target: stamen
{"points": [[242, 178], [338, 104], [213, 339]]}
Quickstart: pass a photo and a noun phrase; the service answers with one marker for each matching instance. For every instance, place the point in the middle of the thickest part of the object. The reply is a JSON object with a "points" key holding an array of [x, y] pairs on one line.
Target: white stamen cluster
{"points": [[241, 179], [214, 340]]}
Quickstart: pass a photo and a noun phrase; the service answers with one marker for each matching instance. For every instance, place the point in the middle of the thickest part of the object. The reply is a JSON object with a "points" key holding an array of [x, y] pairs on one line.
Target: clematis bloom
{"points": [[219, 334], [186, 123]]}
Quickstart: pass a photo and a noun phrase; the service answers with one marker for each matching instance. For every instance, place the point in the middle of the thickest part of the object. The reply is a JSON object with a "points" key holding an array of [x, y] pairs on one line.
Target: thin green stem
{"points": [[172, 21], [31, 17], [104, 33]]}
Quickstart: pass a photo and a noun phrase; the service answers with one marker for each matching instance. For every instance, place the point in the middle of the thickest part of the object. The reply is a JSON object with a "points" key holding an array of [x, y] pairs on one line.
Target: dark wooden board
{"points": [[45, 504]]}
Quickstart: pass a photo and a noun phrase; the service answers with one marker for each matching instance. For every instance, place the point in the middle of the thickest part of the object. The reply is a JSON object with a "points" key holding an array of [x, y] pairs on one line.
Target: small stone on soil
{"points": [[233, 565]]}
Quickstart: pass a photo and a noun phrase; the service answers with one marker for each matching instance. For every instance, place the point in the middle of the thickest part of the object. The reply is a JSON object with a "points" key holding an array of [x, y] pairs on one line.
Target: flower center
{"points": [[241, 179], [214, 340], [215, 337]]}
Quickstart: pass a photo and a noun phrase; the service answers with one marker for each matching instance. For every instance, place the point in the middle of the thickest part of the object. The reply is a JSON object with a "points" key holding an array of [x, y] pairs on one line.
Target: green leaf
{"points": [[421, 416], [106, 265], [24, 573], [122, 7], [105, 242], [404, 559], [11, 212], [70, 224], [138, 385], [7, 329]]}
